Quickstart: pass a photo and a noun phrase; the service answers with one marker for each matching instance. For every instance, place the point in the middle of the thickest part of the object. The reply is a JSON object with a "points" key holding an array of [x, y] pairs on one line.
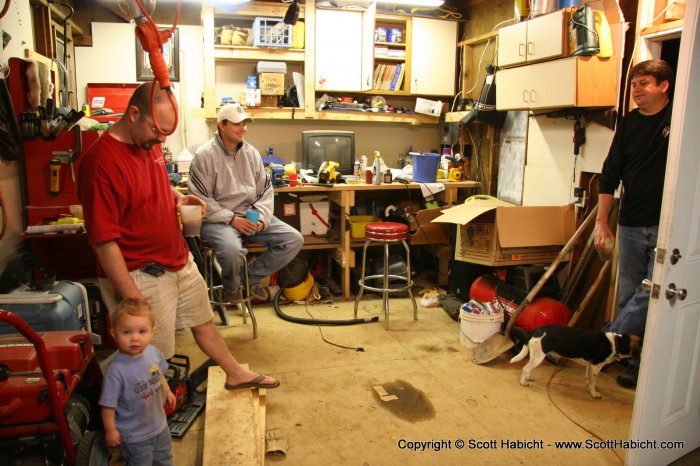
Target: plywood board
{"points": [[231, 434]]}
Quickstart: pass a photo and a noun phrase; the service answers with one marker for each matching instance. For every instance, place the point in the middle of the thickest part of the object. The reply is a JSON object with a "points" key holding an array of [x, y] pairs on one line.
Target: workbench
{"points": [[71, 257], [344, 196]]}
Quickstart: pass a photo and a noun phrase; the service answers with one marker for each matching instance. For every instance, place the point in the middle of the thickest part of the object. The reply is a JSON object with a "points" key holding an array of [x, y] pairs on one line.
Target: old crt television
{"points": [[330, 145]]}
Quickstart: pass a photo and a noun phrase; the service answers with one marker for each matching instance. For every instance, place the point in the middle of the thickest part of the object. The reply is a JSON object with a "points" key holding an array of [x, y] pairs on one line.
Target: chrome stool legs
{"points": [[386, 278], [212, 267]]}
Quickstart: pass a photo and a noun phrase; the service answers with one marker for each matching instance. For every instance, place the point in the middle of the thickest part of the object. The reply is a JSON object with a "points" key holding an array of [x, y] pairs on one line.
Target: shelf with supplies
{"points": [[392, 51], [227, 65], [344, 198]]}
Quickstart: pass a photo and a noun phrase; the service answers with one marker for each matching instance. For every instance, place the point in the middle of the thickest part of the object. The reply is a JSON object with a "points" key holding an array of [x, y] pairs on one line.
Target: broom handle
{"points": [[540, 283]]}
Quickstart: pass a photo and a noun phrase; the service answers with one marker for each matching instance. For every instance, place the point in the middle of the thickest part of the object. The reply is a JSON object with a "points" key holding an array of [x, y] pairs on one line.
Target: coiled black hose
{"points": [[306, 321]]}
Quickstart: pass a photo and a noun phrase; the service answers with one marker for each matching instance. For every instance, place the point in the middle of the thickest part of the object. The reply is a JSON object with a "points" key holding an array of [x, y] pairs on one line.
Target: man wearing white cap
{"points": [[227, 173]]}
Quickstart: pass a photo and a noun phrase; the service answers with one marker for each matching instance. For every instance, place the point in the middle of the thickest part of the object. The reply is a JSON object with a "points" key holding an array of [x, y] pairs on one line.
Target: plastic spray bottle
{"points": [[377, 167]]}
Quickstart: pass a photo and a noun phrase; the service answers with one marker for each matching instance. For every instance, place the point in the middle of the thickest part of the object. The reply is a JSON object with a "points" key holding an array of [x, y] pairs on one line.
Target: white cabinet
{"points": [[543, 38], [433, 56], [341, 50], [569, 82]]}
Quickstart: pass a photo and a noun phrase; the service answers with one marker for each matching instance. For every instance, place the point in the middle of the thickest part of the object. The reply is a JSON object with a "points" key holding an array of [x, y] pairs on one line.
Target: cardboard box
{"points": [[495, 233], [287, 209], [269, 101], [423, 231], [313, 216], [271, 83]]}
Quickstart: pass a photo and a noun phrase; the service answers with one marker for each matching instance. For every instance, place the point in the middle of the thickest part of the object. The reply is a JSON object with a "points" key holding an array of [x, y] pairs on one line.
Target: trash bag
{"points": [[11, 146], [484, 109]]}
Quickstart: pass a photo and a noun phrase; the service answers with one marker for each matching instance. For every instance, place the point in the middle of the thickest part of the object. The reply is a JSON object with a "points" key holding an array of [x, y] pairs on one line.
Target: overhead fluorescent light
{"points": [[433, 3]]}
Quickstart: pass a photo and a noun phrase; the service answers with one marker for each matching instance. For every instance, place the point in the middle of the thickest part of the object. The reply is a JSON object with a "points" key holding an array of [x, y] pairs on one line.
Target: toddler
{"points": [[134, 389]]}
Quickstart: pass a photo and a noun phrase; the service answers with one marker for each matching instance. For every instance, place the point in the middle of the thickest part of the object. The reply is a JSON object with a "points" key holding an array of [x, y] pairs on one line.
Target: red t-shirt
{"points": [[126, 197]]}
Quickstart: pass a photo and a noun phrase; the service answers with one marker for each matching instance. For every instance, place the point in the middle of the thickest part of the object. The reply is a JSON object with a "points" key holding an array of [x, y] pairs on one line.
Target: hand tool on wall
{"points": [[55, 170], [579, 136]]}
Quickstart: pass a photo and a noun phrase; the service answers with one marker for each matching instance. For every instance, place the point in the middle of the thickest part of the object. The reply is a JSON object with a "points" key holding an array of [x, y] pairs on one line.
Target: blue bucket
{"points": [[566, 3], [425, 167]]}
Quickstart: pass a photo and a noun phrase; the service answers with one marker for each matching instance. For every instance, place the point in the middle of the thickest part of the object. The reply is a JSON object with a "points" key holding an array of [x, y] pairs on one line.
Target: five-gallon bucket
{"points": [[425, 167], [475, 328]]}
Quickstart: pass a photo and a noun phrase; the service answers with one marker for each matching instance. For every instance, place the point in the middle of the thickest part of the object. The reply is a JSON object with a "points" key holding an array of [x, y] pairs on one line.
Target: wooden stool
{"points": [[212, 269], [388, 233]]}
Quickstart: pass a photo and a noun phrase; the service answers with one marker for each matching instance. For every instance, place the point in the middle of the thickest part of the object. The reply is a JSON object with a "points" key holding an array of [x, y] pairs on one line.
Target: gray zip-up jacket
{"points": [[230, 182]]}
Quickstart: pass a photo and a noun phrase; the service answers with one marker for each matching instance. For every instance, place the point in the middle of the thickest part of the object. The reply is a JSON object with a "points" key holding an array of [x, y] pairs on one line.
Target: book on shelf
{"points": [[395, 83]]}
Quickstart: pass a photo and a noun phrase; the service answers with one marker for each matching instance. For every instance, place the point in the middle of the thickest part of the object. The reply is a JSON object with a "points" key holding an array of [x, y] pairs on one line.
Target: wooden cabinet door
{"points": [[513, 89], [547, 37], [338, 50], [542, 38], [512, 44], [433, 56], [552, 84]]}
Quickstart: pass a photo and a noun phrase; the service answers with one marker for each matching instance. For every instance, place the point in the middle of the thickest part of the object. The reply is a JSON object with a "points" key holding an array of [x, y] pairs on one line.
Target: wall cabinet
{"points": [[569, 82], [433, 56], [543, 38], [341, 40], [338, 56]]}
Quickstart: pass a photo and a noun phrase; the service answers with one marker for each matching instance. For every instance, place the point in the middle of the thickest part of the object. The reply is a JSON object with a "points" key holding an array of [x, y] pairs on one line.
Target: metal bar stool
{"points": [[212, 269], [388, 233]]}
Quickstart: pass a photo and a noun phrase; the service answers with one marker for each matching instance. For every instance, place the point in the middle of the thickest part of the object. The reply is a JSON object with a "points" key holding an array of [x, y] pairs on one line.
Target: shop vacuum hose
{"points": [[305, 321]]}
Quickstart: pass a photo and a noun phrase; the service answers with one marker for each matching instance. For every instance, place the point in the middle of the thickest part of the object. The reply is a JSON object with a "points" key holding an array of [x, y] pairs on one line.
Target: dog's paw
{"points": [[524, 383], [596, 395]]}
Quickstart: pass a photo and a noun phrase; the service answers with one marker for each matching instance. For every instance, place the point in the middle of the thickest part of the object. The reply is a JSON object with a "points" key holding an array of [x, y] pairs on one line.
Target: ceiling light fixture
{"points": [[433, 3]]}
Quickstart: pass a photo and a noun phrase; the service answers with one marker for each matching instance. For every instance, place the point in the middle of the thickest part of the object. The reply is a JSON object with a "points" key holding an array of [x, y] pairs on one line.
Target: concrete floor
{"points": [[331, 414]]}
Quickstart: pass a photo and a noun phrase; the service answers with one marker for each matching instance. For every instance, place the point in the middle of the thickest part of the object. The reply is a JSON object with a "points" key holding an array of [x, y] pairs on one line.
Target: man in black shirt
{"points": [[637, 157]]}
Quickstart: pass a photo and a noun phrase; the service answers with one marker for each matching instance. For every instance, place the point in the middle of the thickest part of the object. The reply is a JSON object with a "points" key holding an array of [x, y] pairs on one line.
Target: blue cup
{"points": [[253, 216]]}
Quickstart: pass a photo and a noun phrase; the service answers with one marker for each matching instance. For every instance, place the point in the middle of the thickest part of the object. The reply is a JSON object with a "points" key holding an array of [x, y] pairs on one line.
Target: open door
{"points": [[667, 405]]}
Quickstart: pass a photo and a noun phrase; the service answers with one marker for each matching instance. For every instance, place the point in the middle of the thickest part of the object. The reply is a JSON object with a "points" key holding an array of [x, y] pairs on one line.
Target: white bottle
{"points": [[363, 164], [377, 167]]}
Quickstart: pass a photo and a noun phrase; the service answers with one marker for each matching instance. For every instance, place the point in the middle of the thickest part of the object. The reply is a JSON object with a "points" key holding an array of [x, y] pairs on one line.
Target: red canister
{"points": [[368, 176]]}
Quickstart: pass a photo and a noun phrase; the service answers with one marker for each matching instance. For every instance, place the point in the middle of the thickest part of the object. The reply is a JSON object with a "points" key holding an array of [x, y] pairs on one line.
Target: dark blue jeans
{"points": [[157, 451], [637, 248], [283, 242]]}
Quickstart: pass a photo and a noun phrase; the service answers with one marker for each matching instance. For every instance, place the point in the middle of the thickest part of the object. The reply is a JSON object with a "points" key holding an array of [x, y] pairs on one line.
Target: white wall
{"points": [[551, 170], [111, 59]]}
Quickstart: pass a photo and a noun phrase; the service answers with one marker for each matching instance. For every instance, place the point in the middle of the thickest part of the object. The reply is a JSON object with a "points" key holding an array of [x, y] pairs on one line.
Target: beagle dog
{"points": [[592, 348]]}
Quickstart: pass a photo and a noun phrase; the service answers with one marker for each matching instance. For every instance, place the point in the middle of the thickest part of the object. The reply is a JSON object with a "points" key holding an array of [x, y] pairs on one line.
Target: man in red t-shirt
{"points": [[130, 216]]}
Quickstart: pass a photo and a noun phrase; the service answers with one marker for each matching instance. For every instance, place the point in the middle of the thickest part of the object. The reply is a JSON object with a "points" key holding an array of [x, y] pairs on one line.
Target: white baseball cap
{"points": [[233, 113]]}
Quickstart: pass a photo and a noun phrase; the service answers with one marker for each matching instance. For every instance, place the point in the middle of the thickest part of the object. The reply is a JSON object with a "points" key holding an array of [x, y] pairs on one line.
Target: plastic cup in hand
{"points": [[253, 216], [191, 216]]}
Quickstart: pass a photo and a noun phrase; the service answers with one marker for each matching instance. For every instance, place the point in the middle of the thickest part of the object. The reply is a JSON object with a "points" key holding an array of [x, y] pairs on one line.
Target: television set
{"points": [[328, 146]]}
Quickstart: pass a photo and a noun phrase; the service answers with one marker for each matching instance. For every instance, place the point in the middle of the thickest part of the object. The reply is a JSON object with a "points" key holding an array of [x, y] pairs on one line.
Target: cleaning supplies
{"points": [[602, 27], [583, 38], [377, 168]]}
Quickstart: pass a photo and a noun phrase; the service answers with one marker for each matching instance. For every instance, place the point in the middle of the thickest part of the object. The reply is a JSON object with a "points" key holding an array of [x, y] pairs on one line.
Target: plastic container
{"points": [[271, 32], [475, 328], [64, 307], [425, 167], [357, 225]]}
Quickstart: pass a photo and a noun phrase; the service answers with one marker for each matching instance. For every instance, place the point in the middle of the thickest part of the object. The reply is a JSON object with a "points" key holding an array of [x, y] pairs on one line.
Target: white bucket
{"points": [[475, 328]]}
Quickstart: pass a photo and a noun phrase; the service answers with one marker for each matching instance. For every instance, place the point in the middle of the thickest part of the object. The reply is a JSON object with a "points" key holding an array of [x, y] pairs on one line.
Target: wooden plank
{"points": [[230, 432], [260, 400]]}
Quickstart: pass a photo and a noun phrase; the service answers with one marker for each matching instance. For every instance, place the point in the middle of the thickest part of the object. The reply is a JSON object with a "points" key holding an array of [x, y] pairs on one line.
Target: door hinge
{"points": [[660, 255]]}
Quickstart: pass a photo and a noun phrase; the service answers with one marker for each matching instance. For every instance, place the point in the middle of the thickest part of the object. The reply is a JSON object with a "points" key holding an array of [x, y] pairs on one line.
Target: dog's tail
{"points": [[520, 337]]}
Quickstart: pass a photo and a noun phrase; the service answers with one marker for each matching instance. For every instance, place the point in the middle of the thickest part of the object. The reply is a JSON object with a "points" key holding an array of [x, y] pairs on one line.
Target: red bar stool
{"points": [[388, 233]]}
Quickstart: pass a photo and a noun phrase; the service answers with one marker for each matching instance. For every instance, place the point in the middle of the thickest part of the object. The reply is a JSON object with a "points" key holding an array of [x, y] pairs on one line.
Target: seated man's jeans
{"points": [[637, 249], [283, 244]]}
